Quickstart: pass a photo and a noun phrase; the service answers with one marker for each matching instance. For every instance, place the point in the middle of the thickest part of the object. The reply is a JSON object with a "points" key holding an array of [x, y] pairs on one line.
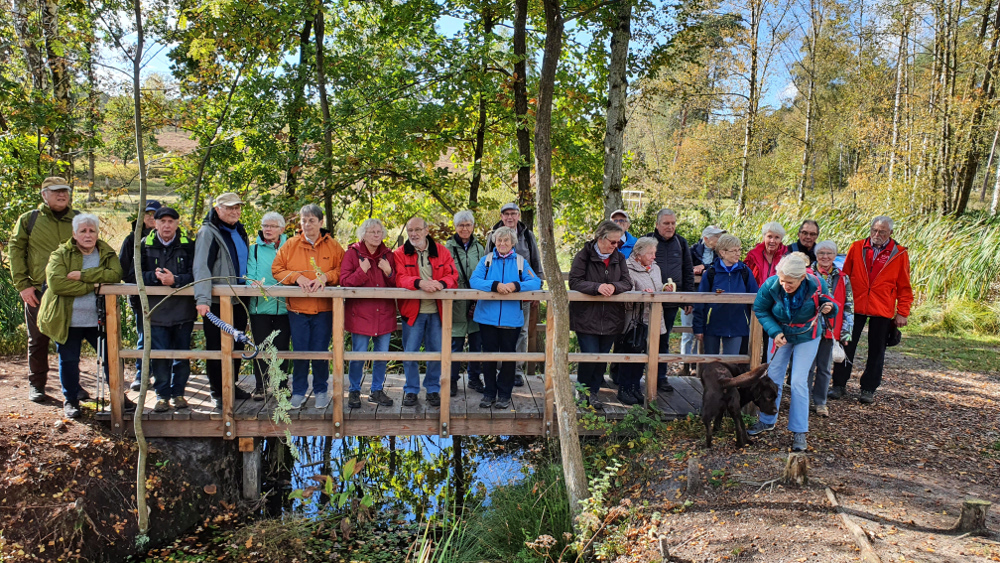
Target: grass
{"points": [[965, 352]]}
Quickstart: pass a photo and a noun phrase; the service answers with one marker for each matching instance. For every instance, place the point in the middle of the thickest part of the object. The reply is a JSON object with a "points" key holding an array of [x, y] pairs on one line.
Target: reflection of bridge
{"points": [[532, 410]]}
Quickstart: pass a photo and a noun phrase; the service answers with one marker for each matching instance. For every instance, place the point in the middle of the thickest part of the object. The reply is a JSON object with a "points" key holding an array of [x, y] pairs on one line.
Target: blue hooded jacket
{"points": [[771, 308], [629, 243], [502, 270], [725, 319]]}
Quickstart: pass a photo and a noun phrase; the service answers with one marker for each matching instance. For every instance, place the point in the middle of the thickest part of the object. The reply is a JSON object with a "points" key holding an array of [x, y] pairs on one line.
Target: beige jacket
{"points": [[643, 279]]}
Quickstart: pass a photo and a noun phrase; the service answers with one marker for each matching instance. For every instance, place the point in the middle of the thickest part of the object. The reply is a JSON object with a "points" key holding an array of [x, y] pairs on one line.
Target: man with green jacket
{"points": [[36, 235]]}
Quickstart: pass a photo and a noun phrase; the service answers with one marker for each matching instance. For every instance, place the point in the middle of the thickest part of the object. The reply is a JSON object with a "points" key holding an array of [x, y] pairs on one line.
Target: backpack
{"points": [[520, 264], [34, 218]]}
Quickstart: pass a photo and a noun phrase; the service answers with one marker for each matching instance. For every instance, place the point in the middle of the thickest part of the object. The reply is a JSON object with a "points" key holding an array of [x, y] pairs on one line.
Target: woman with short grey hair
{"points": [[467, 252], [763, 259], [837, 331], [267, 314], [645, 276]]}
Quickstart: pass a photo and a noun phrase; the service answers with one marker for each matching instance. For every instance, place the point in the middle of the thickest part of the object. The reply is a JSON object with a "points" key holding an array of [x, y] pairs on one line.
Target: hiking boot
{"points": [[486, 402], [759, 427], [836, 392], [799, 442], [136, 384], [434, 399], [454, 387], [36, 394], [518, 380], [594, 402], [867, 397], [476, 384], [258, 394], [636, 392], [663, 385], [180, 403], [625, 396], [82, 394], [409, 400], [502, 403], [71, 410], [823, 411], [297, 401], [381, 398], [321, 400], [354, 399], [162, 405]]}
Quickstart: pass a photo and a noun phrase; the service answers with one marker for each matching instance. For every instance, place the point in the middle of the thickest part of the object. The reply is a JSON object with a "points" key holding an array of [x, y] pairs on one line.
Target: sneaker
{"points": [[258, 394], [240, 394], [162, 405], [36, 394], [476, 384], [486, 402], [136, 384], [836, 392], [663, 385], [454, 387], [799, 442], [434, 399], [518, 380], [759, 427], [321, 400], [180, 403], [82, 394], [71, 410], [297, 401], [409, 400], [381, 398], [867, 397], [823, 411], [502, 403], [354, 399], [625, 396]]}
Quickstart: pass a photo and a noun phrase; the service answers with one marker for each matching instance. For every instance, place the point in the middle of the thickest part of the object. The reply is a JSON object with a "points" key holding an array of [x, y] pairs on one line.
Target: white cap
{"points": [[620, 212], [711, 231]]}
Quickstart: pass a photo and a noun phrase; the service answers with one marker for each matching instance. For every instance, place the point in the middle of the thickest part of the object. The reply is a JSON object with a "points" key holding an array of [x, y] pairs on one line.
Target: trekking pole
{"points": [[238, 335]]}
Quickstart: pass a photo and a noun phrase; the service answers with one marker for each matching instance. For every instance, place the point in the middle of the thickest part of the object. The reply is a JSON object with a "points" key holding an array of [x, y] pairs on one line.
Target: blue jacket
{"points": [[502, 270], [259, 261], [626, 248], [775, 316], [724, 319]]}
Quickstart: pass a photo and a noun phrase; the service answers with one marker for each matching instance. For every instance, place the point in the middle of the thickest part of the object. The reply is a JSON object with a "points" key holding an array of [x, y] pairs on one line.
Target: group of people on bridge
{"points": [[806, 303]]}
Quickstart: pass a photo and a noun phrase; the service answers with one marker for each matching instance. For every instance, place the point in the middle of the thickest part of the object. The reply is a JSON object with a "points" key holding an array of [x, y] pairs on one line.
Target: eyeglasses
{"points": [[270, 226], [620, 220], [463, 226], [809, 233]]}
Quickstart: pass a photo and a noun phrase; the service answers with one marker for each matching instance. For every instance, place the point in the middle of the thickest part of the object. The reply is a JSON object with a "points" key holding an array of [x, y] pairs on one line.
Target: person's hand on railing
{"points": [[431, 286], [649, 290], [506, 288], [606, 289], [165, 276], [311, 286], [257, 284]]}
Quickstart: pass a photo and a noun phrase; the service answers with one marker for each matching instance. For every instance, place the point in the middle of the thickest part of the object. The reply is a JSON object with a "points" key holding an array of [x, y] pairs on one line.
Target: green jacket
{"points": [[29, 255], [56, 310], [465, 262], [259, 260]]}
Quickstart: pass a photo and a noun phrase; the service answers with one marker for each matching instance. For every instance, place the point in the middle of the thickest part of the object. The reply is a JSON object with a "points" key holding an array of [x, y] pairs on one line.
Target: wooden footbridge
{"points": [[532, 410]]}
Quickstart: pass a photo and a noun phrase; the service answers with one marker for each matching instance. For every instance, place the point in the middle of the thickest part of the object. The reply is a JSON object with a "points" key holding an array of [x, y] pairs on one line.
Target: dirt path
{"points": [[902, 466]]}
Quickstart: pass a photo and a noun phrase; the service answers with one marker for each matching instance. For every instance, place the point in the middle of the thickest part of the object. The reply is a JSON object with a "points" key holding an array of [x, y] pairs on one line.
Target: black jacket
{"points": [[178, 257], [674, 259], [586, 275], [125, 256], [796, 247], [696, 253]]}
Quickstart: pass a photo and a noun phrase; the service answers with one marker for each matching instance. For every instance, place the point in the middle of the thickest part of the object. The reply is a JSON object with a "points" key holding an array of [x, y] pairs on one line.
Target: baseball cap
{"points": [[167, 212], [152, 205], [55, 183], [711, 231], [620, 212], [509, 206], [228, 199]]}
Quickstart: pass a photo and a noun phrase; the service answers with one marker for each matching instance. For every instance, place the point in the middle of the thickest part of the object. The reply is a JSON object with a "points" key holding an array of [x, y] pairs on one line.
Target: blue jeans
{"points": [[171, 376], [802, 356], [310, 333], [475, 345], [688, 341], [728, 344], [139, 344], [426, 330], [819, 375], [69, 360], [359, 343]]}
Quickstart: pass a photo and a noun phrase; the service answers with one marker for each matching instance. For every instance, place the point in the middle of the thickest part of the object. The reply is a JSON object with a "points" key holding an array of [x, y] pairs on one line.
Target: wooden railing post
{"points": [[116, 380], [228, 377], [550, 358], [338, 367], [531, 368], [446, 322], [653, 351], [756, 342]]}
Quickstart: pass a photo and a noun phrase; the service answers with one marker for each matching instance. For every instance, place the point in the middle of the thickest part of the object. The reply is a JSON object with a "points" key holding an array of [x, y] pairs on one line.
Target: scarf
{"points": [[794, 303], [242, 252], [598, 251]]}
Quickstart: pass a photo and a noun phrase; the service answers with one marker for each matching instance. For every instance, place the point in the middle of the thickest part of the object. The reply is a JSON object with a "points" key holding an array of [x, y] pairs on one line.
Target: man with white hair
{"points": [[879, 270], [36, 235]]}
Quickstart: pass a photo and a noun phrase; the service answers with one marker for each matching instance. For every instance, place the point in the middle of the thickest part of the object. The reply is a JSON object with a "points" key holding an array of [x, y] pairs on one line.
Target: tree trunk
{"points": [[477, 166], [325, 106], [295, 113], [989, 164], [796, 469], [61, 81], [524, 191], [756, 12], [901, 58], [26, 39], [815, 30], [996, 197], [92, 118], [614, 136], [569, 438], [973, 517]]}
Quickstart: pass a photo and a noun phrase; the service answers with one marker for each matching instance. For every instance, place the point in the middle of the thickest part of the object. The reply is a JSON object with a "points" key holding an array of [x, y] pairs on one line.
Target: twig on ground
{"points": [[860, 537]]}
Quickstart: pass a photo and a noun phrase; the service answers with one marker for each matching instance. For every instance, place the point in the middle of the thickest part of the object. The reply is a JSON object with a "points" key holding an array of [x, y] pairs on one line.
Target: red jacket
{"points": [[408, 274], [370, 317], [890, 292], [758, 264]]}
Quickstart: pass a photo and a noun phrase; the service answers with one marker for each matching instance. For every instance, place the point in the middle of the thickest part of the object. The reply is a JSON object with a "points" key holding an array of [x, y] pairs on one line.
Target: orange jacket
{"points": [[886, 295], [297, 257]]}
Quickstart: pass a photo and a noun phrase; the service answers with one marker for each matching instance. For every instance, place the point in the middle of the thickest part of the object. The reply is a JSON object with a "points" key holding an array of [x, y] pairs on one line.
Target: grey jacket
{"points": [[212, 261]]}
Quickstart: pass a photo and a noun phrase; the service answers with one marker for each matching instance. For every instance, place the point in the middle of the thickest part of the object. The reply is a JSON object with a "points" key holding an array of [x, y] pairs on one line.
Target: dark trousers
{"points": [[38, 347], [213, 341], [669, 315], [878, 330], [69, 359], [475, 345], [496, 339], [140, 342], [629, 374], [591, 374], [262, 326], [171, 376]]}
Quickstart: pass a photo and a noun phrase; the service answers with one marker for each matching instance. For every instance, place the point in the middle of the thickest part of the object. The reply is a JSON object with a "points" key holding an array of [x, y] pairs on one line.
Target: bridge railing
{"points": [[338, 355]]}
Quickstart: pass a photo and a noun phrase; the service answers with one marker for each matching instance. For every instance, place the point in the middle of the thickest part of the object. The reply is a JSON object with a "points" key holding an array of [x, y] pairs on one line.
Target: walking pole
{"points": [[238, 335]]}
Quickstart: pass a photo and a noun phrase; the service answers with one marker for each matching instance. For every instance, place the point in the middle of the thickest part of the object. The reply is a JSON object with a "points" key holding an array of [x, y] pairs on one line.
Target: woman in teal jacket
{"points": [[788, 306], [500, 322], [267, 314]]}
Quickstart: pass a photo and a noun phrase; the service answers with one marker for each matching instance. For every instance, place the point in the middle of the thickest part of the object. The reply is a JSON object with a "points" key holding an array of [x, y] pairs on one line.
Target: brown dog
{"points": [[723, 386]]}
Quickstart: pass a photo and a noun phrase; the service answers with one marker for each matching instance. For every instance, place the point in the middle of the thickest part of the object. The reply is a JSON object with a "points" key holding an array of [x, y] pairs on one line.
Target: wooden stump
{"points": [[664, 549], [693, 476], [973, 518], [796, 469]]}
